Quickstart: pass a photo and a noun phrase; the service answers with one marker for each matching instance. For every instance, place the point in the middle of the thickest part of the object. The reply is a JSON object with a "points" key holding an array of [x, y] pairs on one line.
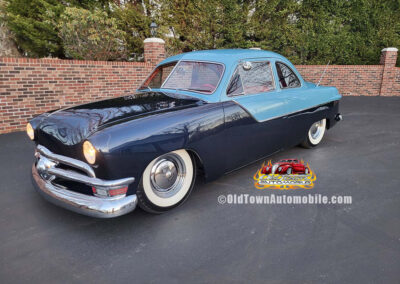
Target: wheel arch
{"points": [[198, 161], [328, 123]]}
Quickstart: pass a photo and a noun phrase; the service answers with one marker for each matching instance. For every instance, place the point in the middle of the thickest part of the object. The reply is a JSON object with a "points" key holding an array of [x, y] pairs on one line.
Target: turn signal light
{"points": [[110, 192], [118, 191]]}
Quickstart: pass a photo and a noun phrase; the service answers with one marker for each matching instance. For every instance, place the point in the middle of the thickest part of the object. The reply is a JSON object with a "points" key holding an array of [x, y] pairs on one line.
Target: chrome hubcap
{"points": [[167, 175], [316, 129]]}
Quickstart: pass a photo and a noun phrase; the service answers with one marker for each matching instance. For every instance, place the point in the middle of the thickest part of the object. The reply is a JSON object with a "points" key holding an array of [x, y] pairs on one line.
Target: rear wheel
{"points": [[289, 171], [315, 134], [166, 182]]}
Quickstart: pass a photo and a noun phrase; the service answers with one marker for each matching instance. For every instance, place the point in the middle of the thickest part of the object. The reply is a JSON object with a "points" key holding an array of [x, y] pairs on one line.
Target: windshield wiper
{"points": [[198, 90], [147, 87]]}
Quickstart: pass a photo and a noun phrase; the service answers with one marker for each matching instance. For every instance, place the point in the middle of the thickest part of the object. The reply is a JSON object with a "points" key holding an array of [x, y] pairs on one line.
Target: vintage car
{"points": [[287, 166], [208, 111]]}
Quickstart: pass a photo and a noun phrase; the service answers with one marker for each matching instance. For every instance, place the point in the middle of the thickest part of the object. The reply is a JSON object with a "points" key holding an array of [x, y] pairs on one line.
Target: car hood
{"points": [[72, 125]]}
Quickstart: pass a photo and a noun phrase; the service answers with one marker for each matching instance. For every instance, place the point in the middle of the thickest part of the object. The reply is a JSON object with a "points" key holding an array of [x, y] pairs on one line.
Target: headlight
{"points": [[30, 131], [89, 152]]}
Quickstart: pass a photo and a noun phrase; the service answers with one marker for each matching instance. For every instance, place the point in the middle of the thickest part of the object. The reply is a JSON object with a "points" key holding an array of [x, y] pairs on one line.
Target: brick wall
{"points": [[359, 80], [388, 60], [33, 86], [353, 80], [396, 83], [154, 50]]}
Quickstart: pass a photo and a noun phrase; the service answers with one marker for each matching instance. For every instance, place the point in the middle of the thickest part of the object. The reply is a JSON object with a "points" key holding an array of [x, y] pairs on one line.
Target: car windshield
{"points": [[202, 77]]}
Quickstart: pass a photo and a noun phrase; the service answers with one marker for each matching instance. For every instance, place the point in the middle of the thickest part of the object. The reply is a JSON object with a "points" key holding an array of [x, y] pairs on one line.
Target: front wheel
{"points": [[315, 134], [166, 182]]}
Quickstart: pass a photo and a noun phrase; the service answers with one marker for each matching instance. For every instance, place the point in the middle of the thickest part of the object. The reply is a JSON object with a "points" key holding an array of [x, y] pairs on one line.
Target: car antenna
{"points": [[323, 73]]}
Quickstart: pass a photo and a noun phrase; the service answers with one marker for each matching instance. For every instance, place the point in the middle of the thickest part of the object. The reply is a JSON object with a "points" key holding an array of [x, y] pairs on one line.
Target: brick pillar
{"points": [[154, 50], [388, 60]]}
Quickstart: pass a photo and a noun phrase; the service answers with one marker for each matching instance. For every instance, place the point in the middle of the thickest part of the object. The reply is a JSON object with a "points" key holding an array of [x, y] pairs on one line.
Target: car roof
{"points": [[226, 56]]}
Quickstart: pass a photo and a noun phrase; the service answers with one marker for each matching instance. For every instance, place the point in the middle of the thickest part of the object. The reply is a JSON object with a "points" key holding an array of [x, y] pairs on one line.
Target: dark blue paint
{"points": [[225, 133]]}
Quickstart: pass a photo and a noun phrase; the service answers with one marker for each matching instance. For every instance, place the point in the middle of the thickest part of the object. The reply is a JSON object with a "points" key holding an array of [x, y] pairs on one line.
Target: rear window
{"points": [[287, 78]]}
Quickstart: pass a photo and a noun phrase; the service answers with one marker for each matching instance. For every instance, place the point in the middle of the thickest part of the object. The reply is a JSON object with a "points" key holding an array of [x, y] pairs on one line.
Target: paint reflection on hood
{"points": [[72, 125]]}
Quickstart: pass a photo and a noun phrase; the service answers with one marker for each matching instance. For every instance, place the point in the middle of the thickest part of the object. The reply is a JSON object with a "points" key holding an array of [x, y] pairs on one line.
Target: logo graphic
{"points": [[284, 175]]}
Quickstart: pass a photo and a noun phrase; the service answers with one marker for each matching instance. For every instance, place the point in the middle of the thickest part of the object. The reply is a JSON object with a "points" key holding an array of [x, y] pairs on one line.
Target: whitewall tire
{"points": [[167, 182], [315, 134]]}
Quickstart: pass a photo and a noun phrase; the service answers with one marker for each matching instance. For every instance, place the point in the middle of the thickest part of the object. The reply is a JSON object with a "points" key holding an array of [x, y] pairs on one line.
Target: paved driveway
{"points": [[203, 241]]}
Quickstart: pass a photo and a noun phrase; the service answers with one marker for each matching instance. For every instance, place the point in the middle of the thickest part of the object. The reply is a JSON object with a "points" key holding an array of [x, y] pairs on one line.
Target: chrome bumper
{"points": [[102, 207]]}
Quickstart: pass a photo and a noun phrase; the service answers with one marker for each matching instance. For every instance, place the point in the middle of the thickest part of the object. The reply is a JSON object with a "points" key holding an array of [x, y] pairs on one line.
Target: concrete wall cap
{"points": [[154, 39], [390, 49]]}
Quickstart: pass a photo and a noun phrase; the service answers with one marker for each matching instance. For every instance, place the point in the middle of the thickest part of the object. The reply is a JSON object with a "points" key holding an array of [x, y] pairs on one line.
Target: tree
{"points": [[7, 46], [201, 24], [318, 31], [91, 35], [134, 18], [306, 31], [29, 20], [34, 24], [274, 26]]}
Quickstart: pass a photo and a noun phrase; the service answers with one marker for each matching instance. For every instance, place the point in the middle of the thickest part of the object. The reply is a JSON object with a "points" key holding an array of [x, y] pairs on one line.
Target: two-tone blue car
{"points": [[213, 111]]}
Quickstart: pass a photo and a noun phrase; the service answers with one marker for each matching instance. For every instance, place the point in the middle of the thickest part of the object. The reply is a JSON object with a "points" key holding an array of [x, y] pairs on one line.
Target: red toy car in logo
{"points": [[287, 166]]}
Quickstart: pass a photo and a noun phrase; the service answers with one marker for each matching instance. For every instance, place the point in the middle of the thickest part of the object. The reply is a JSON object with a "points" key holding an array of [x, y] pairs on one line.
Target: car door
{"points": [[295, 114], [252, 113]]}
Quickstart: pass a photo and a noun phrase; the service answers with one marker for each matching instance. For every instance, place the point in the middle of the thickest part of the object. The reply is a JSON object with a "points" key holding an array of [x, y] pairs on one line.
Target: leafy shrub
{"points": [[91, 35], [132, 19], [30, 22]]}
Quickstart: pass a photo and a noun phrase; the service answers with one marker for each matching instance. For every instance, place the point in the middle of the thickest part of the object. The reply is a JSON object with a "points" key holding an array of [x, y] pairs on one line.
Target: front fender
{"points": [[127, 148]]}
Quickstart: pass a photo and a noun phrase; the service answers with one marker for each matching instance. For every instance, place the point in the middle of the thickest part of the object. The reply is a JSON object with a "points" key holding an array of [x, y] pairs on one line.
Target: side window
{"points": [[235, 87], [287, 78], [157, 78], [251, 78]]}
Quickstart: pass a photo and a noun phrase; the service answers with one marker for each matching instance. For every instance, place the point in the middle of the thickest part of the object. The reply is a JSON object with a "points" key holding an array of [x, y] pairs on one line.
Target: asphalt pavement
{"points": [[207, 242]]}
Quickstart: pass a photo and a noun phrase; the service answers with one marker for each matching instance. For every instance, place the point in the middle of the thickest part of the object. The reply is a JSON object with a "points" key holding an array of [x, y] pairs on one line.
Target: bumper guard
{"points": [[44, 171]]}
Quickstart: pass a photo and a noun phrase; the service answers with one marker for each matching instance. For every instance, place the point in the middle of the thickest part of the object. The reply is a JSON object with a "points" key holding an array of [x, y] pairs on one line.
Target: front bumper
{"points": [[94, 206]]}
